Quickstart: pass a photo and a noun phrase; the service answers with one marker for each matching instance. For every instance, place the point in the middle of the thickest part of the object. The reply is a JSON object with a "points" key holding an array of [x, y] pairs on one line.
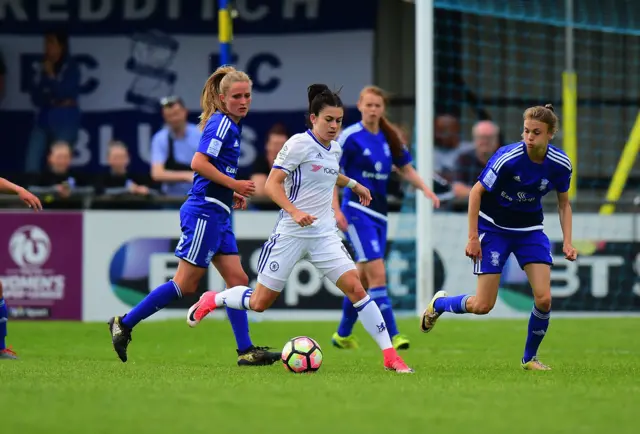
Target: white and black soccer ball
{"points": [[302, 354]]}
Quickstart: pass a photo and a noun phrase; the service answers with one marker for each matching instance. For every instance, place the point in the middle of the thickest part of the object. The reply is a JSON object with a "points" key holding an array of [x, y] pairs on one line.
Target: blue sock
{"points": [[381, 297], [4, 316], [156, 300], [240, 325], [349, 318], [538, 325], [457, 304]]}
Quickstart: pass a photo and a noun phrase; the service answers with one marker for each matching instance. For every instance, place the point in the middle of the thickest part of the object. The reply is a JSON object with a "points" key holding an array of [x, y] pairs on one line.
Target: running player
{"points": [[34, 203], [370, 149], [205, 216], [301, 182], [505, 216]]}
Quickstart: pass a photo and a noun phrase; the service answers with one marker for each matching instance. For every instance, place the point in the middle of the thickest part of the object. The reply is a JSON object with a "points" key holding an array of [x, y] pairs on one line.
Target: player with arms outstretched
{"points": [[505, 216], [370, 149], [32, 202], [302, 183], [205, 219]]}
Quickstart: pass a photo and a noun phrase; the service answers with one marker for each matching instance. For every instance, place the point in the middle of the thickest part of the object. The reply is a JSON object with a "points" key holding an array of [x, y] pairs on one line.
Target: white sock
{"points": [[235, 298], [371, 318]]}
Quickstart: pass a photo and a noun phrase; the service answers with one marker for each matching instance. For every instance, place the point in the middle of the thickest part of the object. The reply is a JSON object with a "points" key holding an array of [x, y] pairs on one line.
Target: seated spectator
{"points": [[118, 188], [470, 163], [276, 137], [447, 145], [118, 181], [58, 181]]}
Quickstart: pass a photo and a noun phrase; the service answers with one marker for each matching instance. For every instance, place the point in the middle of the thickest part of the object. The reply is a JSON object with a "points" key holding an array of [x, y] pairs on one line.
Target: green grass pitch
{"points": [[180, 380]]}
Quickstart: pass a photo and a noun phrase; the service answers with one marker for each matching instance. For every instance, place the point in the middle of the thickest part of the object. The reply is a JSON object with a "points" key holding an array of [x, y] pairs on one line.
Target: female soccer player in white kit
{"points": [[301, 182]]}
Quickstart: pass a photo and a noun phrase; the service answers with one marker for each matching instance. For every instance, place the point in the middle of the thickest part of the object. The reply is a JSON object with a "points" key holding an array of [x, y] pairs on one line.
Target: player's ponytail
{"points": [[320, 96], [393, 136], [545, 115], [218, 83]]}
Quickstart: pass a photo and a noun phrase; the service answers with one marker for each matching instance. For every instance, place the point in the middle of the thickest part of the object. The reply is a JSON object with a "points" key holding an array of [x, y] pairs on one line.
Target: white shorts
{"points": [[282, 252]]}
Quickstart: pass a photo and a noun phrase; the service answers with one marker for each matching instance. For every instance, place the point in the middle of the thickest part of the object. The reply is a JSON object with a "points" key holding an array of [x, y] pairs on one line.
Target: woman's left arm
{"points": [[566, 223], [410, 175]]}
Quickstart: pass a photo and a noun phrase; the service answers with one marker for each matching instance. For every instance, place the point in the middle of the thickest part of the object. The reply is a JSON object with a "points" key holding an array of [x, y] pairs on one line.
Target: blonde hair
{"points": [[376, 91], [218, 83], [544, 114]]}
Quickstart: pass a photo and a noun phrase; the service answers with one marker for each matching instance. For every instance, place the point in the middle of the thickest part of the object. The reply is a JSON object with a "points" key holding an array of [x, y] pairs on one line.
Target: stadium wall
{"points": [[90, 265]]}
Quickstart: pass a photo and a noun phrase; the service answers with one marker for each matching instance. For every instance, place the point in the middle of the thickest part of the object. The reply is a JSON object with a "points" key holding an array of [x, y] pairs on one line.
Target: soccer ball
{"points": [[302, 354]]}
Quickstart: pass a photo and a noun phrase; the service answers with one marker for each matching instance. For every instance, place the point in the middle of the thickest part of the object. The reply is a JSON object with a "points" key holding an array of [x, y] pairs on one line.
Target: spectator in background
{"points": [[117, 185], [58, 180], [173, 147], [55, 95], [276, 137], [118, 181], [447, 145], [470, 163]]}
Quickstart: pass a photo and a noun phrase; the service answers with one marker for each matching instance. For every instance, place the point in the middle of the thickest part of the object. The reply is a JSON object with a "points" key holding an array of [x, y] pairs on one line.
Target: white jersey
{"points": [[312, 171]]}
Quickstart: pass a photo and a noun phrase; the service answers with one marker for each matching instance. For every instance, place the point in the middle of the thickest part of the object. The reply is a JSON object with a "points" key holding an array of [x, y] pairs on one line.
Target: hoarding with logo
{"points": [[127, 255], [41, 258]]}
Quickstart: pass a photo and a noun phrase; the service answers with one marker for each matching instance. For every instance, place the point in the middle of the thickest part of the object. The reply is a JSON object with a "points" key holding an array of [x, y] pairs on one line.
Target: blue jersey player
{"points": [[34, 203], [370, 149], [505, 216], [205, 220]]}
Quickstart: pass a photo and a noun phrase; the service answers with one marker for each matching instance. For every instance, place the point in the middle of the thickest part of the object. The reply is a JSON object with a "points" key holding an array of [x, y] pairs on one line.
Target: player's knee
{"points": [[358, 293], [355, 291], [349, 283], [543, 302]]}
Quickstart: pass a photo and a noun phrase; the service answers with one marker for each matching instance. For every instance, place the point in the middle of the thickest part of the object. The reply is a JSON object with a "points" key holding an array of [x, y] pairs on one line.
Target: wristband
{"points": [[352, 183]]}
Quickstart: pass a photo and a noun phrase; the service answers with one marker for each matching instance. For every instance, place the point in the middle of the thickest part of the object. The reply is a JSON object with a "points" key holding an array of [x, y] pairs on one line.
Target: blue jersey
{"points": [[515, 186], [366, 157], [220, 142]]}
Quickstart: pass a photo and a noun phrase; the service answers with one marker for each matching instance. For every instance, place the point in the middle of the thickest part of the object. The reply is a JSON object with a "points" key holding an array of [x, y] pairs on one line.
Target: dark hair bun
{"points": [[315, 90], [550, 107]]}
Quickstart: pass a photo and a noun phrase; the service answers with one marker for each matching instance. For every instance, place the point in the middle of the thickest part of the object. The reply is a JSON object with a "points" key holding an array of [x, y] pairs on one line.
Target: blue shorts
{"points": [[528, 247], [204, 238], [366, 234]]}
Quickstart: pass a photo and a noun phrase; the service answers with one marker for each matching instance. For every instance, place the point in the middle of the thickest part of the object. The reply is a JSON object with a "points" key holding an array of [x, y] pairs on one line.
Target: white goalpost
{"points": [[424, 150]]}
